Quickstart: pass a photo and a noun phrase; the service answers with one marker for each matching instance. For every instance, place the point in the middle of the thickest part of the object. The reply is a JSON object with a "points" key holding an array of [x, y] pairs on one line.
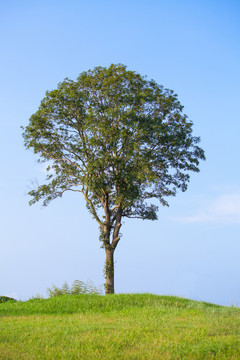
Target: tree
{"points": [[120, 140]]}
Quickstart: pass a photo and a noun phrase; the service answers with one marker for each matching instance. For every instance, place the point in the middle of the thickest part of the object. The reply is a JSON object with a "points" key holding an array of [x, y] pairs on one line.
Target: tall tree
{"points": [[120, 140]]}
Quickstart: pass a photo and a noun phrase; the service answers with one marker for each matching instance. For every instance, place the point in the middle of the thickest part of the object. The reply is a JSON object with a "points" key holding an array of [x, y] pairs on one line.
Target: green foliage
{"points": [[6, 298], [78, 287], [113, 134]]}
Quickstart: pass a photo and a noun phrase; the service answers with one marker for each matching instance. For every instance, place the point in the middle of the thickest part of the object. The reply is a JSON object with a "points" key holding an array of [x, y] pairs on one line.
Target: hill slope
{"points": [[129, 326]]}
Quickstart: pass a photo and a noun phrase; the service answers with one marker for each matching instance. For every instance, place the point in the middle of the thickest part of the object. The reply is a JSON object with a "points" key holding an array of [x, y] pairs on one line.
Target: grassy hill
{"points": [[129, 326]]}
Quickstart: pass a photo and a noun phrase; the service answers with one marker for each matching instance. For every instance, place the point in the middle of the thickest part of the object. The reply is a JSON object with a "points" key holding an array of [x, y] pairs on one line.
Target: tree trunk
{"points": [[110, 246], [109, 286]]}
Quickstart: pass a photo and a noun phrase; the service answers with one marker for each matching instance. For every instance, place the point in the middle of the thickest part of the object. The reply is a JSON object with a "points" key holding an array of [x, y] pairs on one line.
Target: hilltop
{"points": [[124, 326]]}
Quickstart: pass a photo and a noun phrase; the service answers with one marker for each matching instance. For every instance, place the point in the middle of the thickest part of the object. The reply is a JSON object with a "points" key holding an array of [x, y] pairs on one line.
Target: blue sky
{"points": [[192, 47]]}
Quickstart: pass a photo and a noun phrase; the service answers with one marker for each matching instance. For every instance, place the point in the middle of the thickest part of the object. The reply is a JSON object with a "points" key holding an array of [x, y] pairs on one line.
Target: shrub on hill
{"points": [[78, 287], [6, 298]]}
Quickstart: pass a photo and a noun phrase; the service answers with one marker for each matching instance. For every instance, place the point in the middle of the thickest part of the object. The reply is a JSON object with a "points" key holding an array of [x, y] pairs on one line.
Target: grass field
{"points": [[129, 326]]}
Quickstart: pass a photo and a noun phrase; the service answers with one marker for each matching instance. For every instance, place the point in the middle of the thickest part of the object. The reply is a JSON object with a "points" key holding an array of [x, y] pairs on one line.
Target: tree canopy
{"points": [[117, 138]]}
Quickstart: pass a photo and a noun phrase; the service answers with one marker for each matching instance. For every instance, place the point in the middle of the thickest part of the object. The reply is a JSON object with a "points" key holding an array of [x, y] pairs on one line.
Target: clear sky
{"points": [[192, 47]]}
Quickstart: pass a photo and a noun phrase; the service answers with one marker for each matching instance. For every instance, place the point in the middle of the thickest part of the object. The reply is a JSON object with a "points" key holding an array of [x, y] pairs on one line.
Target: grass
{"points": [[126, 326]]}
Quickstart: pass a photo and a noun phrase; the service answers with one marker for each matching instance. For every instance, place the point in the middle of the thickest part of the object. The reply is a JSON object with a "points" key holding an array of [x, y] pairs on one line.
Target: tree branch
{"points": [[93, 211], [115, 237]]}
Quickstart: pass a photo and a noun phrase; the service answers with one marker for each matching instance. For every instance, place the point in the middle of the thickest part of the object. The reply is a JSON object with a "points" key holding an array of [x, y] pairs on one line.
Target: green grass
{"points": [[129, 326]]}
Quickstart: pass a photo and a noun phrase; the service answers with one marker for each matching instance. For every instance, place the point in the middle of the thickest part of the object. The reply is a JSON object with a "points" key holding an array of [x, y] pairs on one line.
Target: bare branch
{"points": [[92, 208], [115, 237]]}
